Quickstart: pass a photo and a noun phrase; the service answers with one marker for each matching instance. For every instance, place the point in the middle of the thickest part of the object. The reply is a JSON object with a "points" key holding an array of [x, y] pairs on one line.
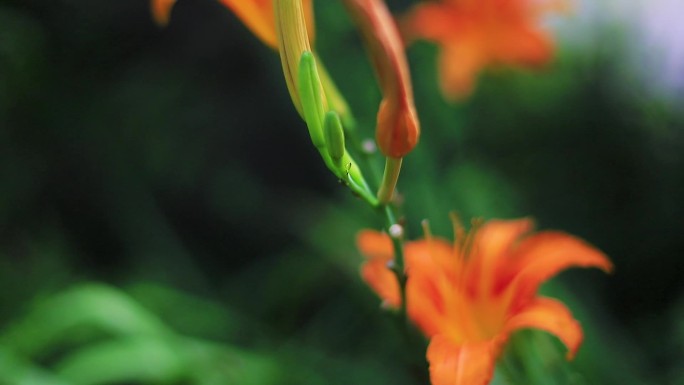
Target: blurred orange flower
{"points": [[256, 14], [161, 10], [470, 296], [474, 34]]}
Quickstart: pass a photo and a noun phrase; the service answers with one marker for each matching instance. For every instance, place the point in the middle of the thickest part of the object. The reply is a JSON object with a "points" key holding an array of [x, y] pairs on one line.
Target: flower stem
{"points": [[389, 179], [387, 184], [398, 267]]}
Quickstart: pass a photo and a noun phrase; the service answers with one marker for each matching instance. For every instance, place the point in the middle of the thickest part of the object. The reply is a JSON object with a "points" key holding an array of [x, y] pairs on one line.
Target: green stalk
{"points": [[387, 184]]}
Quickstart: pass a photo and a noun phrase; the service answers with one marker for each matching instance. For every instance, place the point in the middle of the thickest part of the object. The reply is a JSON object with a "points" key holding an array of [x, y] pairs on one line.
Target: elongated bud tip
{"points": [[293, 41], [334, 136], [397, 125], [308, 61], [398, 129]]}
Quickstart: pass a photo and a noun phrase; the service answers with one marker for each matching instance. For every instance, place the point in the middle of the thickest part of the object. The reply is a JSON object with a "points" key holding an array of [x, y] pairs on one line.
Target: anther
{"points": [[459, 231], [426, 229]]}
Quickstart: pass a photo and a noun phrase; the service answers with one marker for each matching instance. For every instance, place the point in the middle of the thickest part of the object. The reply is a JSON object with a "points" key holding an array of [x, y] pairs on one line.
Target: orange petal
{"points": [[556, 6], [383, 281], [463, 39], [474, 34], [426, 305], [437, 306], [459, 63], [431, 254], [430, 21], [161, 11], [491, 248], [460, 364], [523, 45], [543, 255], [258, 16], [377, 247], [551, 316], [435, 302], [427, 291]]}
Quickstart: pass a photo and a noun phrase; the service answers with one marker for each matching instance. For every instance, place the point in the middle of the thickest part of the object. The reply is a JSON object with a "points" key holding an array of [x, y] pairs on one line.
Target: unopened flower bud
{"points": [[311, 98], [293, 41], [397, 128]]}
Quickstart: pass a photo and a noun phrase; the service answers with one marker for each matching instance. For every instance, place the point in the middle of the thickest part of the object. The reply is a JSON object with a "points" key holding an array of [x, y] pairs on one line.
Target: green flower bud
{"points": [[311, 97], [334, 137]]}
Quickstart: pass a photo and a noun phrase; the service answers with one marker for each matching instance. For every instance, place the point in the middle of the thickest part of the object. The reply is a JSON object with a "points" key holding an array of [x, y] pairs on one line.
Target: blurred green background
{"points": [[165, 220]]}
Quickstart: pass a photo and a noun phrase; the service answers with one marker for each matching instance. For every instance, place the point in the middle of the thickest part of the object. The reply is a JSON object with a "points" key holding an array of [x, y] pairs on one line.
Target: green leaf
{"points": [[78, 314], [139, 359], [17, 371]]}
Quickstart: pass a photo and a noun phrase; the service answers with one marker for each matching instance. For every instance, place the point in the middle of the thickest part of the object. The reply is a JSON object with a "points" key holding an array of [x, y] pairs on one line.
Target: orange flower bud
{"points": [[397, 128]]}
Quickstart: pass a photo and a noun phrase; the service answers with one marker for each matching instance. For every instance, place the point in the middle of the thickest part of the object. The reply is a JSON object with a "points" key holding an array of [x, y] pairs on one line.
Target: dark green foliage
{"points": [[131, 154]]}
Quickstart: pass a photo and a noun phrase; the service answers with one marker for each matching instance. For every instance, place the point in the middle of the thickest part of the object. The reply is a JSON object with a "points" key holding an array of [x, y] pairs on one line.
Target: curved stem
{"points": [[389, 179], [387, 184]]}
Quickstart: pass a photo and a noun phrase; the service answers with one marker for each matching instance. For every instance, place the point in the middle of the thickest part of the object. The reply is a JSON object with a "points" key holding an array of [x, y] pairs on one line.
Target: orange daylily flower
{"points": [[256, 14], [474, 34], [469, 297], [397, 122]]}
